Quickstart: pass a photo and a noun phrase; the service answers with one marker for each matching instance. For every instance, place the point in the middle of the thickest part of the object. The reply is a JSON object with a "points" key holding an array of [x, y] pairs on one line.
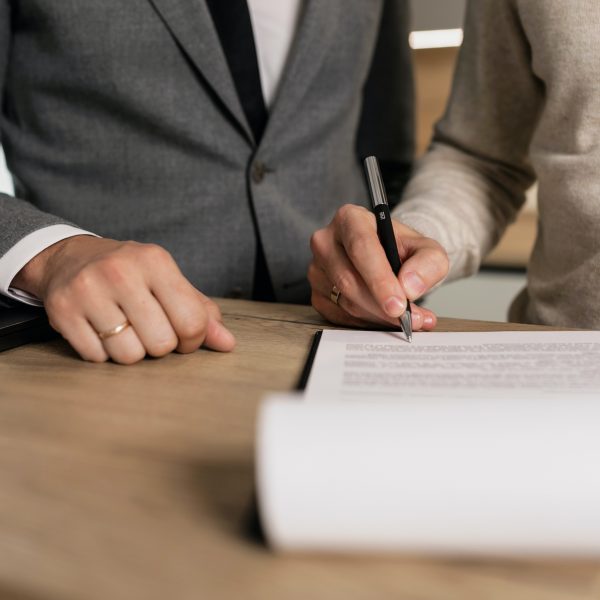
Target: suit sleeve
{"points": [[18, 218], [387, 122], [472, 182]]}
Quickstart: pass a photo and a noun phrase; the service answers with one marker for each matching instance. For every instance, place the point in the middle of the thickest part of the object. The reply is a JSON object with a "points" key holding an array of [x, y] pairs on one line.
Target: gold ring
{"points": [[335, 295], [114, 331]]}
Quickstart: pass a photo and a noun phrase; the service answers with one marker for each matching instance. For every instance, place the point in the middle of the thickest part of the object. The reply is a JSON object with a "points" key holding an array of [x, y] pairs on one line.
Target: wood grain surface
{"points": [[136, 482]]}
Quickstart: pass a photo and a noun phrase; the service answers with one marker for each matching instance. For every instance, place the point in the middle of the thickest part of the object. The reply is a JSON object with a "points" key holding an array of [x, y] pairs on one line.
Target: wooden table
{"points": [[135, 482]]}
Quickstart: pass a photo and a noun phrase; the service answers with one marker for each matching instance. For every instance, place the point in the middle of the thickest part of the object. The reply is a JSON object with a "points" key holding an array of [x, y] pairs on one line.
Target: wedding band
{"points": [[114, 331], [335, 295]]}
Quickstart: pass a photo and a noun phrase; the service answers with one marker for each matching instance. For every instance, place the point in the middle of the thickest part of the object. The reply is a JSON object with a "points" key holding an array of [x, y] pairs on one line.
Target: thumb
{"points": [[218, 337], [424, 268]]}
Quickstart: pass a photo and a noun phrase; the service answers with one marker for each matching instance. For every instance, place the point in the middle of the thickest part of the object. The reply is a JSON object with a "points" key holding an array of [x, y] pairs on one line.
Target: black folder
{"points": [[21, 324]]}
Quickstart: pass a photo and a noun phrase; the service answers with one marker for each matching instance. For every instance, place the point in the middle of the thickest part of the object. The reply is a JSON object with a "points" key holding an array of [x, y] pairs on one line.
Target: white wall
{"points": [[485, 296]]}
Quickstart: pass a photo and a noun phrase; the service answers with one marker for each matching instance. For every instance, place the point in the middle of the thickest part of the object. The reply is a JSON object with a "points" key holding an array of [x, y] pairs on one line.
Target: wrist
{"points": [[33, 275]]}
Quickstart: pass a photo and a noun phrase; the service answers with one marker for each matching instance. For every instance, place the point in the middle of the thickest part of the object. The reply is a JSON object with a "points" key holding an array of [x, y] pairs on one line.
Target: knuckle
{"points": [[357, 245], [345, 212], [155, 254], [57, 303], [154, 250], [193, 326], [349, 213], [380, 282], [82, 284], [317, 242], [114, 268]]}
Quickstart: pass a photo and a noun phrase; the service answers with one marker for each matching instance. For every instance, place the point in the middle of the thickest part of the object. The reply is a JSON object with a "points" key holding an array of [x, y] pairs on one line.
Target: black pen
{"points": [[385, 231]]}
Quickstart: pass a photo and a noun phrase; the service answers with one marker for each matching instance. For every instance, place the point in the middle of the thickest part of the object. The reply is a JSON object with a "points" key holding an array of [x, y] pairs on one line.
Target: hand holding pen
{"points": [[353, 282], [385, 231]]}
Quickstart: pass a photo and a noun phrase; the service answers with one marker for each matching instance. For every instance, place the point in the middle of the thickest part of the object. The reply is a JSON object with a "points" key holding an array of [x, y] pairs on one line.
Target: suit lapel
{"points": [[316, 32], [191, 25]]}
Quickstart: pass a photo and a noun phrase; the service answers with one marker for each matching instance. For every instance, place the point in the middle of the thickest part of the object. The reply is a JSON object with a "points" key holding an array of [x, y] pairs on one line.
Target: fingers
{"points": [[422, 318], [125, 347], [349, 314], [347, 311], [218, 337], [195, 319], [356, 231], [348, 254], [149, 322], [80, 323], [103, 283], [81, 336], [336, 269]]}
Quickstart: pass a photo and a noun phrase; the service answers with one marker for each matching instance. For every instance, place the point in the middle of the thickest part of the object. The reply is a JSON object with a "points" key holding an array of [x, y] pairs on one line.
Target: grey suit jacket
{"points": [[122, 118]]}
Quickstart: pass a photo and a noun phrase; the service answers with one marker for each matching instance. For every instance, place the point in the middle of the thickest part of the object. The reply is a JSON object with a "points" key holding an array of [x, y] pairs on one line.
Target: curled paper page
{"points": [[435, 475]]}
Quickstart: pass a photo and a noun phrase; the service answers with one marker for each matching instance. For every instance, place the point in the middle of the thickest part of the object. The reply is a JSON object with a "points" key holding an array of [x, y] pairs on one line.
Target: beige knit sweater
{"points": [[525, 104]]}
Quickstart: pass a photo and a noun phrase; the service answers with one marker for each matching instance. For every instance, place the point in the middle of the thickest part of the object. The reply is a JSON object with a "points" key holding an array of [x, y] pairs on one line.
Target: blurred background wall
{"points": [[437, 14]]}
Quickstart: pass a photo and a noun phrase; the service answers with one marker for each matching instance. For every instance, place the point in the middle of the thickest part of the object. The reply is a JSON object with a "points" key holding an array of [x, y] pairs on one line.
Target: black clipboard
{"points": [[22, 324], [310, 359]]}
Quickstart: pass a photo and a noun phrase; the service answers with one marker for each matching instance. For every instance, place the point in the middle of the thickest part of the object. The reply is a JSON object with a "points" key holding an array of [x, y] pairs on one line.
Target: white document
{"points": [[382, 365], [461, 443]]}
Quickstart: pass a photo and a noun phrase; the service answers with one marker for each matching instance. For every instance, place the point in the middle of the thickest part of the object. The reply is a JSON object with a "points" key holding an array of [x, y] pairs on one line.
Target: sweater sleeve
{"points": [[472, 181], [18, 218]]}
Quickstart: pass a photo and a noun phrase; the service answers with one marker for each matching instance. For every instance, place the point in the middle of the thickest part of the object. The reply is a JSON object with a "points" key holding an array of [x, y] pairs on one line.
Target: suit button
{"points": [[258, 171]]}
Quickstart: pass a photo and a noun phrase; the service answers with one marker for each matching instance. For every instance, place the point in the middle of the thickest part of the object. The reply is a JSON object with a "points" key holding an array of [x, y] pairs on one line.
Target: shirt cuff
{"points": [[24, 250]]}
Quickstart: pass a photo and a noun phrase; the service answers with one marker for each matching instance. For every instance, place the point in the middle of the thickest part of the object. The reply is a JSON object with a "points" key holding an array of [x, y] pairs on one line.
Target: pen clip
{"points": [[375, 181]]}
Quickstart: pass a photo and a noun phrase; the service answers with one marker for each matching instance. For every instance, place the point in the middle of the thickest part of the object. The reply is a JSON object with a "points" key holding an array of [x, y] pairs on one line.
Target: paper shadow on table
{"points": [[8, 590], [226, 489]]}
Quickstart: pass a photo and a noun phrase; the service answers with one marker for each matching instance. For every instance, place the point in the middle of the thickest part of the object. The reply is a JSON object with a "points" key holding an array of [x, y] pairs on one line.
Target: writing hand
{"points": [[347, 254]]}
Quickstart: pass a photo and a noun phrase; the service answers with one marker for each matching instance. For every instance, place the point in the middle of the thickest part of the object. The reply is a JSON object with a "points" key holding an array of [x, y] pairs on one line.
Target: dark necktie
{"points": [[234, 28]]}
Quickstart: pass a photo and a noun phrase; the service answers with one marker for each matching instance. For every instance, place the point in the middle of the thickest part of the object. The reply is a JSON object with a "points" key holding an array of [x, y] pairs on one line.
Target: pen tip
{"points": [[406, 324]]}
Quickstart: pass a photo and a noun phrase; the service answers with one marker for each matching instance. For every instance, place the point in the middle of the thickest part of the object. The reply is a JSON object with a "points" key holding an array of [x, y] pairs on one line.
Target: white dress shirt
{"points": [[274, 24]]}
